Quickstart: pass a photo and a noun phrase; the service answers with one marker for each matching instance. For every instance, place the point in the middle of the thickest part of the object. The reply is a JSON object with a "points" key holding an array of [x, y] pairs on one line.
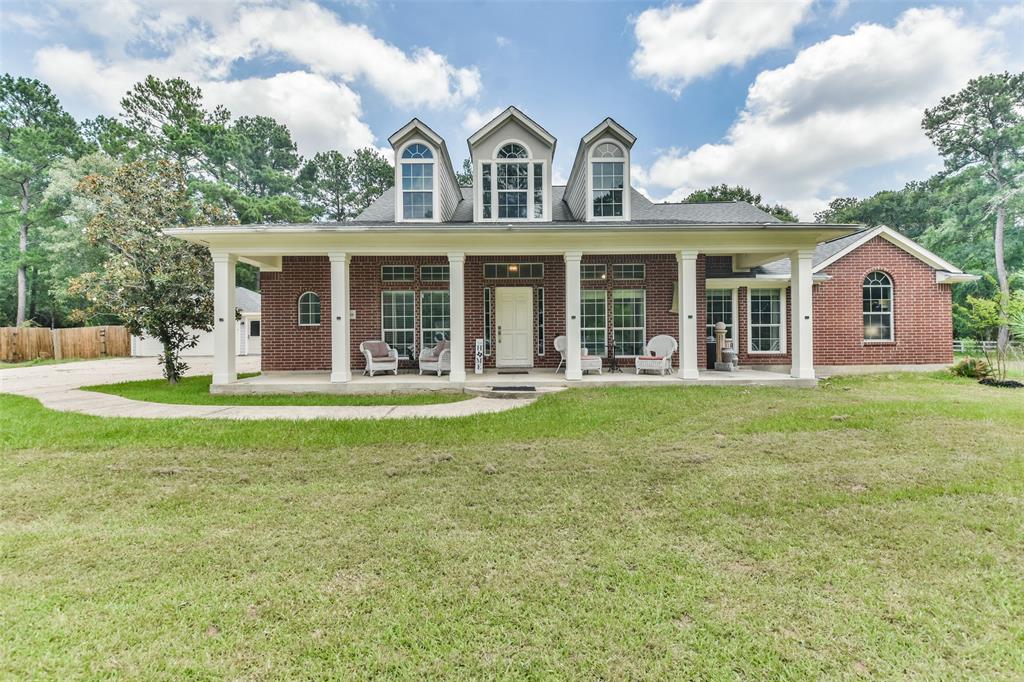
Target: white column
{"points": [[457, 315], [573, 371], [688, 314], [801, 305], [224, 324], [340, 357]]}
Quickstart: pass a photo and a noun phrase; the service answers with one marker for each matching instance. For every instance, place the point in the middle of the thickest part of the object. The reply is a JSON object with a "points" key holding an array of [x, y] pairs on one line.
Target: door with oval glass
{"points": [[514, 322]]}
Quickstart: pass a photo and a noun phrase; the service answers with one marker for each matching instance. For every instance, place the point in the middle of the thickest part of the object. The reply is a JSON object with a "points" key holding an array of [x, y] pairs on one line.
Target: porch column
{"points": [[573, 371], [688, 314], [457, 315], [224, 325], [801, 305], [340, 358]]}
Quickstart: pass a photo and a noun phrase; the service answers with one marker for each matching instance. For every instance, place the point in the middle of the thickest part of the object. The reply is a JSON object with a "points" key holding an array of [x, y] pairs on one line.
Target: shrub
{"points": [[972, 368]]}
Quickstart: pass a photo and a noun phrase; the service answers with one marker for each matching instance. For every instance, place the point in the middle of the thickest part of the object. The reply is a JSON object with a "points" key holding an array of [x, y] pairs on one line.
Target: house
{"points": [[247, 334], [515, 261]]}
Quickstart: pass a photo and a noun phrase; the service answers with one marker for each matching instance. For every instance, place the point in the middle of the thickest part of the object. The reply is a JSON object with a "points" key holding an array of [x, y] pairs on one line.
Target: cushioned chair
{"points": [[657, 355], [588, 363], [380, 357], [437, 359]]}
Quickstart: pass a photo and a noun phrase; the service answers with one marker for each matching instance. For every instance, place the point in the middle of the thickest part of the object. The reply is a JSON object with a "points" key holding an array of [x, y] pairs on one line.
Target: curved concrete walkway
{"points": [[57, 388]]}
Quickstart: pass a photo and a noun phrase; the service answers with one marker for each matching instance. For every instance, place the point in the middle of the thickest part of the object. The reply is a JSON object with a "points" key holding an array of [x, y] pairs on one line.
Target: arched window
{"points": [[608, 180], [309, 309], [877, 307], [417, 182], [513, 150]]}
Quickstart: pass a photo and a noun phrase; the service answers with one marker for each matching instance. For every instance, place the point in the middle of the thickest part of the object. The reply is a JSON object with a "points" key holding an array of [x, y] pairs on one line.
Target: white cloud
{"points": [[329, 61], [851, 102], [476, 119], [679, 44], [1008, 16], [502, 41]]}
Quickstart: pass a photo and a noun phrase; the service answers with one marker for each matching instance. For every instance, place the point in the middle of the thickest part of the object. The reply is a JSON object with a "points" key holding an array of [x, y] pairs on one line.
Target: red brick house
{"points": [[514, 262]]}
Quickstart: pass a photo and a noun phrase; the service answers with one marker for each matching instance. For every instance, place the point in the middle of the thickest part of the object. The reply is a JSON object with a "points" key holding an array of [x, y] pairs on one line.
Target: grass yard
{"points": [[195, 390], [871, 528]]}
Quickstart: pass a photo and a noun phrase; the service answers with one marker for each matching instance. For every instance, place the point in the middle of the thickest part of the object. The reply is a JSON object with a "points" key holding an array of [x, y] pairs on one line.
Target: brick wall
{"points": [[922, 311], [289, 347]]}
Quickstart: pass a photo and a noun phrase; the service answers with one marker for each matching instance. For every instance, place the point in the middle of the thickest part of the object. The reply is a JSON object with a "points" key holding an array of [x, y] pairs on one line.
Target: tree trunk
{"points": [[23, 251], [1004, 282]]}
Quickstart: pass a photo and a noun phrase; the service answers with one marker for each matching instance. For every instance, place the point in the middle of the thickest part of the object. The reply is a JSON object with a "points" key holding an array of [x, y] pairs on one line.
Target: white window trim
{"points": [[397, 281], [644, 327], [891, 313], [540, 308], [298, 310], [626, 181], [594, 279], [478, 186], [593, 351], [382, 327], [630, 279], [434, 193], [735, 312], [782, 322], [423, 327]]}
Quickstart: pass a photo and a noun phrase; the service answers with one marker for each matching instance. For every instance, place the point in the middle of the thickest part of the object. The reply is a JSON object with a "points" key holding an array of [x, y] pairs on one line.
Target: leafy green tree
{"points": [[986, 317], [981, 128], [911, 210], [465, 176], [725, 192], [158, 286], [338, 187], [34, 132]]}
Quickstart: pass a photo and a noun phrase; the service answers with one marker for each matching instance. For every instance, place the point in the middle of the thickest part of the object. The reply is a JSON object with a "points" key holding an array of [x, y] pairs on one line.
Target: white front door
{"points": [[514, 320]]}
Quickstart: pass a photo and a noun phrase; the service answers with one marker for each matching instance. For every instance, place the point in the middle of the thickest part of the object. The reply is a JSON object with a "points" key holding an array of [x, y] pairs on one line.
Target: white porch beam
{"points": [[745, 261], [802, 341], [264, 263], [573, 362], [224, 326], [457, 315], [341, 371], [687, 314]]}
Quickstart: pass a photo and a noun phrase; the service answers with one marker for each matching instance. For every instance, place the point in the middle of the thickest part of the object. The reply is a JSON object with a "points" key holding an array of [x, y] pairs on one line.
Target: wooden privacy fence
{"points": [[21, 344]]}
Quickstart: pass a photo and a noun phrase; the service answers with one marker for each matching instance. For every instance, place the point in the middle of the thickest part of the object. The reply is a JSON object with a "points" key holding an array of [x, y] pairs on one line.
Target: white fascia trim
{"points": [[942, 277], [419, 125], [512, 112], [609, 123], [897, 239]]}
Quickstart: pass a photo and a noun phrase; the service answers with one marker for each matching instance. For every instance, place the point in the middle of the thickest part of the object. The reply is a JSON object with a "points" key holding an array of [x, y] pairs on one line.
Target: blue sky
{"points": [[800, 100]]}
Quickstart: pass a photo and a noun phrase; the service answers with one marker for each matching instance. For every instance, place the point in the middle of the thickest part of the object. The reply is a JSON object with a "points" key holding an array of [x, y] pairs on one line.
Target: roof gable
{"points": [[517, 115], [849, 244]]}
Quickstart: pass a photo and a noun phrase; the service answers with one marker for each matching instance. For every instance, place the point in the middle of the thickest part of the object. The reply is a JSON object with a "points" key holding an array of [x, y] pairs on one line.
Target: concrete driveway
{"points": [[57, 388]]}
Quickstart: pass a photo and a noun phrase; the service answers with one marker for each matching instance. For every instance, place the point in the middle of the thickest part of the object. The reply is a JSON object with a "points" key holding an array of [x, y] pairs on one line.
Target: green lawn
{"points": [[873, 527], [196, 391]]}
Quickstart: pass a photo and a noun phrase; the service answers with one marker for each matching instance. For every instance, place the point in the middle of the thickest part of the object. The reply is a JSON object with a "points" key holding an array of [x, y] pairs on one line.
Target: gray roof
{"points": [[247, 300], [823, 252], [644, 212]]}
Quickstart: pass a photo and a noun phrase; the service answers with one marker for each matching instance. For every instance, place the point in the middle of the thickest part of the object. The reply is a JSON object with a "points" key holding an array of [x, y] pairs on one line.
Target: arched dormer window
{"points": [[309, 309], [877, 307], [607, 181], [512, 185], [418, 182]]}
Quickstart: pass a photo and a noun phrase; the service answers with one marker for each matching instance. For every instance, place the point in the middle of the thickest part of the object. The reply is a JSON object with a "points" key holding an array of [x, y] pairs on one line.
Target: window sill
{"points": [[866, 342]]}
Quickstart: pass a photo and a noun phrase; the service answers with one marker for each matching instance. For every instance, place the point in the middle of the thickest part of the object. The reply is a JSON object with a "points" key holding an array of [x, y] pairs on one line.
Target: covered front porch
{"points": [[539, 380]]}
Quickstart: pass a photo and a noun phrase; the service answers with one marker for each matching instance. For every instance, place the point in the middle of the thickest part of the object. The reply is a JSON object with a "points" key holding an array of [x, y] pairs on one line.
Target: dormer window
{"points": [[512, 185], [417, 182], [607, 181]]}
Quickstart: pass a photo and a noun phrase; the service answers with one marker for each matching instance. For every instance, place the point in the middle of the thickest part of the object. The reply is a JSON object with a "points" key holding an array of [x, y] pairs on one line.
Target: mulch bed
{"points": [[1006, 383]]}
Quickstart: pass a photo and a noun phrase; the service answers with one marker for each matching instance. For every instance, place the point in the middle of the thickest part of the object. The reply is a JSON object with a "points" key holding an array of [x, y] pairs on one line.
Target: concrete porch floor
{"points": [[543, 379]]}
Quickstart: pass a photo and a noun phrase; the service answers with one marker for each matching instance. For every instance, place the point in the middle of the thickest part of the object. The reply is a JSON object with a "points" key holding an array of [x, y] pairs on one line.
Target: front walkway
{"points": [[57, 388]]}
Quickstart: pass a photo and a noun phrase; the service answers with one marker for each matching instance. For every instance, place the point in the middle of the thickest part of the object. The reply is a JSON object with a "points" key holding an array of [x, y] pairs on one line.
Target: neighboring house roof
{"points": [[645, 212], [829, 252], [247, 300]]}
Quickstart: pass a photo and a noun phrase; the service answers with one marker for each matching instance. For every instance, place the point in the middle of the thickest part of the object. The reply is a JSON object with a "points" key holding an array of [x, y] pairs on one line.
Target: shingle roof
{"points": [[247, 300], [781, 268], [644, 211]]}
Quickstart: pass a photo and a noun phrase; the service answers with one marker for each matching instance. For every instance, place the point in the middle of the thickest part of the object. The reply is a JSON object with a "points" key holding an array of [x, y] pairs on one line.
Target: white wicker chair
{"points": [[588, 363], [437, 359], [380, 357], [657, 355]]}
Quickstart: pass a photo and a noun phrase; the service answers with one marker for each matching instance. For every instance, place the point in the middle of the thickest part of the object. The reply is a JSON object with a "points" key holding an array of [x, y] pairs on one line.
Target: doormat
{"points": [[513, 371], [513, 388]]}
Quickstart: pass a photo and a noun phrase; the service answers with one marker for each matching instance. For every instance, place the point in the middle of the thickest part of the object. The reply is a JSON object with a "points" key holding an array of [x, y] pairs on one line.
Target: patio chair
{"points": [[437, 359], [657, 355], [588, 363], [380, 357]]}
